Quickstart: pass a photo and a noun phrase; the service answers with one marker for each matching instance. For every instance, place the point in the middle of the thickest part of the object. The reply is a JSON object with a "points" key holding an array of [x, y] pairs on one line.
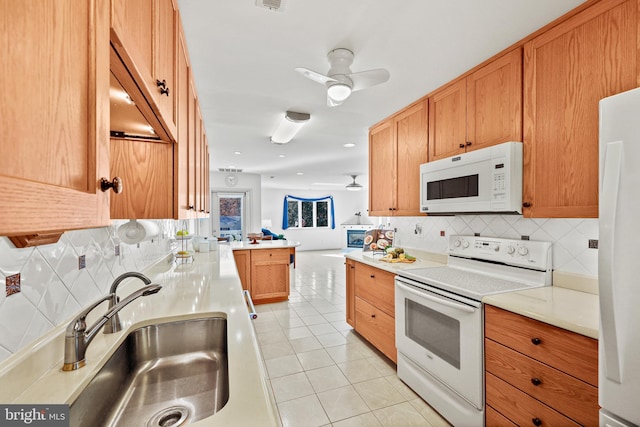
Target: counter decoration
{"points": [[397, 255], [377, 240]]}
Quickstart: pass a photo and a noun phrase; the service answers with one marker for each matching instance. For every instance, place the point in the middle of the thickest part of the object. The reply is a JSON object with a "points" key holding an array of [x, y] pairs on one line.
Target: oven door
{"points": [[442, 334]]}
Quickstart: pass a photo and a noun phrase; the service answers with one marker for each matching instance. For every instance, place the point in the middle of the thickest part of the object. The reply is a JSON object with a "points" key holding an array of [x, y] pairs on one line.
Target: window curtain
{"points": [[285, 217]]}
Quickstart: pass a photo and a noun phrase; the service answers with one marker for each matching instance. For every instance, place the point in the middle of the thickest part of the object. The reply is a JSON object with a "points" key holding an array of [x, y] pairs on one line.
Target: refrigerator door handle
{"points": [[608, 207]]}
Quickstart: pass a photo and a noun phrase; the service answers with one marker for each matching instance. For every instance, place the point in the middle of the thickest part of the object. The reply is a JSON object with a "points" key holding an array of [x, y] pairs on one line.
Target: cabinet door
{"points": [[375, 286], [55, 115], [243, 264], [382, 170], [132, 33], [165, 60], [351, 296], [193, 126], [269, 275], [377, 327], [181, 148], [412, 150], [567, 70], [448, 120], [147, 168], [494, 102]]}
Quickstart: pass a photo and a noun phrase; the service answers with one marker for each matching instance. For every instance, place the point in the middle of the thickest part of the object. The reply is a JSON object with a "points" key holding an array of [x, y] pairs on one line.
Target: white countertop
{"points": [[568, 309], [208, 287], [423, 260], [261, 244]]}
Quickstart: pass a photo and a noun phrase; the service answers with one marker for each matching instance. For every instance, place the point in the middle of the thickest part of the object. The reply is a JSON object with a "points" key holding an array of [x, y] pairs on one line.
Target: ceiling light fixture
{"points": [[349, 145], [354, 186], [289, 126], [339, 91]]}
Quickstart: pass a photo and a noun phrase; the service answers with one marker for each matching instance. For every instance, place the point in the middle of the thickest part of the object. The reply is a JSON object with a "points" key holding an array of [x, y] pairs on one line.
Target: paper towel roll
{"points": [[135, 231]]}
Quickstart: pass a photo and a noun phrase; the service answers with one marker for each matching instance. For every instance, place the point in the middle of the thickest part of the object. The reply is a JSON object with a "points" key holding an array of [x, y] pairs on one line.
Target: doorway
{"points": [[229, 215]]}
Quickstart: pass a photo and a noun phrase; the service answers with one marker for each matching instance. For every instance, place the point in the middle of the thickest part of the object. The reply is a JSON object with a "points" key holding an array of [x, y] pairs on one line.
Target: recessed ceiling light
{"points": [[282, 156], [349, 145], [231, 167], [299, 173], [237, 152]]}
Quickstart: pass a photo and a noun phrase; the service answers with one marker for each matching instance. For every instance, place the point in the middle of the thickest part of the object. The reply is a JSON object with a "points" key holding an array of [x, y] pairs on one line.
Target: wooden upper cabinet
{"points": [[144, 33], [448, 120], [397, 147], [411, 144], [181, 149], [567, 70], [55, 115], [494, 102], [479, 110], [382, 169]]}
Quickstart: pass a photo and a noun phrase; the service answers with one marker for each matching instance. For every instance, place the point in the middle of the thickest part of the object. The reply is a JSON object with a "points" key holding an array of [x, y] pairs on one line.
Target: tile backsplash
{"points": [[570, 236], [54, 288]]}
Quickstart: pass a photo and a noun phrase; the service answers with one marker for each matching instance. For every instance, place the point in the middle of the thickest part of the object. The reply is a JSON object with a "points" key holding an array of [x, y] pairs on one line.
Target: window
{"points": [[306, 214]]}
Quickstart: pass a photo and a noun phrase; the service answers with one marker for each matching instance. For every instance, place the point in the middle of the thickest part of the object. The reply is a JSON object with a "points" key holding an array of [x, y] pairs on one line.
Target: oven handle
{"points": [[437, 300]]}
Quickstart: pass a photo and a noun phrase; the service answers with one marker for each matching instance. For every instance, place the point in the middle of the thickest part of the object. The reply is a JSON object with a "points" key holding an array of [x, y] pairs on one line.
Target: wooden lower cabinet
{"points": [[538, 374], [370, 306], [264, 273]]}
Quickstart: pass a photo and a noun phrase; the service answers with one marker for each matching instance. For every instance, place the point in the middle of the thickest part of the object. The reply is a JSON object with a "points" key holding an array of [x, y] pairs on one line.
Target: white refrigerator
{"points": [[619, 260]]}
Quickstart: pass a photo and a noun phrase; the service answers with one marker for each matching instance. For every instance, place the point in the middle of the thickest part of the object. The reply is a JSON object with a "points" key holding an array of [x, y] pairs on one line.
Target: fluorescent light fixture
{"points": [[339, 92], [289, 126], [354, 186]]}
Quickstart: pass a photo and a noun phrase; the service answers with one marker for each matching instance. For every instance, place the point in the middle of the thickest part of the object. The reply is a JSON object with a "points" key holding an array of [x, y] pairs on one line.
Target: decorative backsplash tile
{"points": [[570, 236], [53, 288]]}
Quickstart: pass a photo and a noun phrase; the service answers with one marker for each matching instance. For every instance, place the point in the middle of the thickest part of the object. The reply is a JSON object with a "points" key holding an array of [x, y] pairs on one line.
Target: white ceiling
{"points": [[243, 59]]}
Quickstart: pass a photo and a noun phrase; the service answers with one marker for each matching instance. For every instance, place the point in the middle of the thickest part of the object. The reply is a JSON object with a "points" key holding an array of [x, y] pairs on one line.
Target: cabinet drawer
{"points": [[377, 327], [270, 255], [568, 395], [495, 418], [521, 408], [376, 287], [572, 353]]}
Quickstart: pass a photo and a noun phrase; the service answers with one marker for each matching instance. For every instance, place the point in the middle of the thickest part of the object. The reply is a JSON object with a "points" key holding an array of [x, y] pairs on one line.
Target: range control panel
{"points": [[524, 253]]}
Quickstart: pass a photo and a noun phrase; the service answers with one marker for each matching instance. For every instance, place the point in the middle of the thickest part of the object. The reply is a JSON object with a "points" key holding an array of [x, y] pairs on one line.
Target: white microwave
{"points": [[484, 180]]}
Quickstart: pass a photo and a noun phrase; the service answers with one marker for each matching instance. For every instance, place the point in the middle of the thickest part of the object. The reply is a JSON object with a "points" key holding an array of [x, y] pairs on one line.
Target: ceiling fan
{"points": [[340, 81]]}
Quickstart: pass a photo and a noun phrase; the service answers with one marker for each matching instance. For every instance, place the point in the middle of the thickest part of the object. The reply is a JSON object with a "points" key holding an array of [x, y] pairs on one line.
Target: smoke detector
{"points": [[272, 5]]}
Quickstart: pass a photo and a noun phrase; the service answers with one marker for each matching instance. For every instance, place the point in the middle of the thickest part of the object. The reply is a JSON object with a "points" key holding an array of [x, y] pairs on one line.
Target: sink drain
{"points": [[173, 416]]}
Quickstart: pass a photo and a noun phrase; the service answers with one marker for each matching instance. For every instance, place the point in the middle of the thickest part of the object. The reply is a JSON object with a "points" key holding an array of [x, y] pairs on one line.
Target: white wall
{"points": [[247, 182], [346, 204]]}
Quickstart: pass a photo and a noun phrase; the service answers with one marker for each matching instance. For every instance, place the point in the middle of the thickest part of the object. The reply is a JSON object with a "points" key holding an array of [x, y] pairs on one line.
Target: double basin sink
{"points": [[168, 374]]}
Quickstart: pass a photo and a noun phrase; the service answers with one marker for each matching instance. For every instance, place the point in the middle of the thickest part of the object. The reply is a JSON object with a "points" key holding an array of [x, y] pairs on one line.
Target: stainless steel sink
{"points": [[168, 375]]}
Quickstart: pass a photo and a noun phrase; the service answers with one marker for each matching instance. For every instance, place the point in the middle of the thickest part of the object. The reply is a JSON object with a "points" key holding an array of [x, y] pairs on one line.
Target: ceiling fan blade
{"points": [[365, 79], [316, 77], [332, 102]]}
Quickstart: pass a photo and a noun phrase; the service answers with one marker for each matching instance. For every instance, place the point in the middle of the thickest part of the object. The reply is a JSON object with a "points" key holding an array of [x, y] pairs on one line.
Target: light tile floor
{"points": [[321, 372]]}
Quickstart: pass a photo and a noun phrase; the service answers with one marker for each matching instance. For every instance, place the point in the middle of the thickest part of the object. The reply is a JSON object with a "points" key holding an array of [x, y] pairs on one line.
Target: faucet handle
{"points": [[79, 324]]}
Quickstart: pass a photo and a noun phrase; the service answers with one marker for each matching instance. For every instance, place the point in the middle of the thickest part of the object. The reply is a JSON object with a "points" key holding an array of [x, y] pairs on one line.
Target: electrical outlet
{"points": [[117, 250], [524, 237], [593, 243], [82, 263], [418, 229], [442, 233], [13, 284]]}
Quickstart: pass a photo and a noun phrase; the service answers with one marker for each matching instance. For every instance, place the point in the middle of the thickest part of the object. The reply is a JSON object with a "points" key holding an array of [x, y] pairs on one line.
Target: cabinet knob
{"points": [[162, 84], [116, 184], [461, 145], [373, 315], [536, 421], [468, 143], [372, 276], [536, 381], [536, 341], [526, 205]]}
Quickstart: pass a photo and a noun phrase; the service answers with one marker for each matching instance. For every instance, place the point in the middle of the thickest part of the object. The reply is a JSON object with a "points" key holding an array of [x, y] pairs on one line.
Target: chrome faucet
{"points": [[77, 338], [114, 324]]}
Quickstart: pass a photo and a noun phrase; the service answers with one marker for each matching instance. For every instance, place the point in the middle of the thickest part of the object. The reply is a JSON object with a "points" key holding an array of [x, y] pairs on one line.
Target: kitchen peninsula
{"points": [[264, 268]]}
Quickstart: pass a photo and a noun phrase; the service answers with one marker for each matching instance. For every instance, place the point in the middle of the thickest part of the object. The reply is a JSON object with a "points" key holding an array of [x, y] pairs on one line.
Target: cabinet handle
{"points": [[536, 381], [164, 90], [536, 341], [191, 208], [372, 276], [526, 205], [461, 145], [468, 143], [373, 315], [116, 184], [536, 421]]}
